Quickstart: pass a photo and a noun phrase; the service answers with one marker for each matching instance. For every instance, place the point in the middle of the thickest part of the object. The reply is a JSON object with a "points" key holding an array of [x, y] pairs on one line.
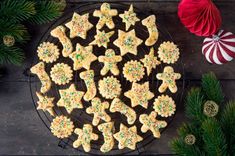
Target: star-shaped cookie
{"points": [[150, 61], [45, 103], [168, 78], [105, 14], [127, 42], [151, 123], [79, 25], [110, 61], [127, 137], [82, 57], [98, 109], [129, 17], [139, 94], [102, 38], [70, 98], [85, 136]]}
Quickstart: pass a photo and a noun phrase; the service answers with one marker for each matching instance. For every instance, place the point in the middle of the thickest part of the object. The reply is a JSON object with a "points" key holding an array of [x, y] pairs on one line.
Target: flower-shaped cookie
{"points": [[139, 94], [164, 106], [127, 137], [48, 52], [129, 17], [127, 42], [82, 57], [110, 61], [70, 98], [98, 109], [79, 25], [133, 71], [45, 103], [110, 87], [62, 127], [151, 123], [61, 73], [150, 61], [168, 78], [102, 38], [168, 52], [105, 14]]}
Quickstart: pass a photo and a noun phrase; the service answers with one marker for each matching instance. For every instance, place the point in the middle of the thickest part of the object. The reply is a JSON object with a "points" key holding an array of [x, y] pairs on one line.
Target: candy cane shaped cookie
{"points": [[39, 70], [149, 22], [59, 32], [88, 77], [118, 106]]}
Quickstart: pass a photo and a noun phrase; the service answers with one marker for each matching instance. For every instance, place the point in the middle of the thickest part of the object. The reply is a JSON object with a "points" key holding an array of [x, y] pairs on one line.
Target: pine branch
{"points": [[214, 139], [194, 106], [228, 125], [212, 88], [13, 55], [16, 10], [46, 12]]}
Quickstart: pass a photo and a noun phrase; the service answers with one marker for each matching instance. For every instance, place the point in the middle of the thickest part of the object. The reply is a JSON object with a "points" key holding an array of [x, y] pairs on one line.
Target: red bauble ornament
{"points": [[219, 48], [201, 17]]}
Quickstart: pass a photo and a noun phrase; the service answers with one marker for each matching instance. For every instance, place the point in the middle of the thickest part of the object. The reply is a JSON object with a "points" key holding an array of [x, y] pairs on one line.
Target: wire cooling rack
{"points": [[80, 117]]}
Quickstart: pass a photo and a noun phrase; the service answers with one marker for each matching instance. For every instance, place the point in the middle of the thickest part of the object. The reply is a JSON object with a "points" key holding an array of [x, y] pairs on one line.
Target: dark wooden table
{"points": [[22, 132]]}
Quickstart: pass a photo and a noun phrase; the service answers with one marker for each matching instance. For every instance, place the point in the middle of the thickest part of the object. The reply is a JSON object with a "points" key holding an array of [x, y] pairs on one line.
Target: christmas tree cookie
{"points": [[102, 38], [45, 103]]}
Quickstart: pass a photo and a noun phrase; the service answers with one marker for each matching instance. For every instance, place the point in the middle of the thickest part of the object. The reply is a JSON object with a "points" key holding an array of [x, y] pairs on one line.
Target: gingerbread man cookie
{"points": [[102, 38], [45, 103], [151, 123], [39, 70], [118, 106], [79, 25], [127, 137], [98, 109], [110, 61], [105, 14], [107, 130], [88, 77], [59, 32], [85, 136], [82, 57], [150, 23], [70, 98], [168, 78]]}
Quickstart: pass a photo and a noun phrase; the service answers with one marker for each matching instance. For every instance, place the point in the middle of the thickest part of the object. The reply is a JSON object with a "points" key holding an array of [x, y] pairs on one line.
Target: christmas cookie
{"points": [[150, 61], [164, 106], [70, 98], [127, 137], [79, 25], [110, 61], [127, 42], [151, 123], [118, 106], [98, 109], [62, 127], [39, 70], [110, 87], [150, 23], [48, 52], [45, 103], [107, 130], [105, 14], [168, 52], [129, 17], [82, 57], [102, 38], [85, 136], [139, 94], [168, 78], [133, 71], [88, 77], [61, 73], [59, 32]]}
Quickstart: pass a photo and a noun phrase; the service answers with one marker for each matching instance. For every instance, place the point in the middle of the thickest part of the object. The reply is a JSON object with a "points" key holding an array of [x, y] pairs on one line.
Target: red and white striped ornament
{"points": [[220, 48]]}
